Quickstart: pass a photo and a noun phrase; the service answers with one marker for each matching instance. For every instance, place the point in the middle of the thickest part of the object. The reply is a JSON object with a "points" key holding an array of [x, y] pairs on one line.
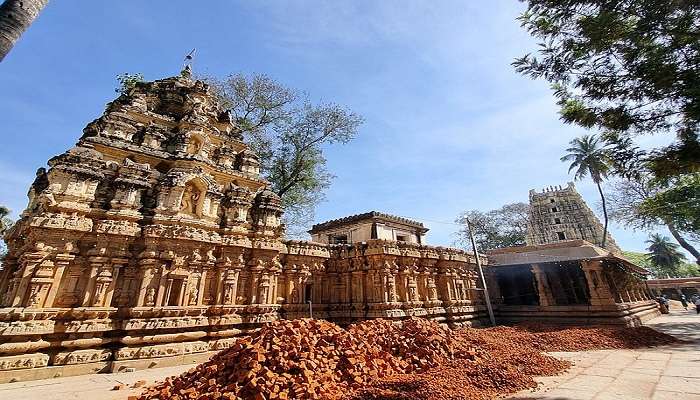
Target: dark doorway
{"points": [[517, 285], [175, 289], [308, 290]]}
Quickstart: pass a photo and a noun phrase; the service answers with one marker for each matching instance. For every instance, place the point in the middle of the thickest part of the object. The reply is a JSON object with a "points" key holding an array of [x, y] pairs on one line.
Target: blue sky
{"points": [[449, 126]]}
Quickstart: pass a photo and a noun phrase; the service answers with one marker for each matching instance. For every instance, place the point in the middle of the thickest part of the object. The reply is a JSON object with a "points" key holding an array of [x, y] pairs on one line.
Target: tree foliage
{"points": [[685, 269], [664, 255], [504, 227], [288, 132], [626, 67], [5, 224], [678, 204], [5, 221], [645, 204], [127, 81]]}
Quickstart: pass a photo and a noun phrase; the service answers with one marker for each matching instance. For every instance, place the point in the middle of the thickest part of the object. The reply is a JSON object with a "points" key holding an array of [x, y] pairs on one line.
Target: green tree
{"points": [[127, 81], [678, 203], [685, 269], [504, 227], [626, 67], [643, 204], [5, 221], [664, 255], [288, 132], [15, 18], [589, 157], [5, 224]]}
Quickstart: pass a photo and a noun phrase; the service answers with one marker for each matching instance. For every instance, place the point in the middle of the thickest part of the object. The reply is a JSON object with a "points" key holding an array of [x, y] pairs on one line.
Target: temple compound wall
{"points": [[154, 241], [569, 282]]}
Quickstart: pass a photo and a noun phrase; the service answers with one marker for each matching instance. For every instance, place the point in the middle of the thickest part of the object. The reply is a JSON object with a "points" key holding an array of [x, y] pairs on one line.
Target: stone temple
{"points": [[560, 214], [155, 241]]}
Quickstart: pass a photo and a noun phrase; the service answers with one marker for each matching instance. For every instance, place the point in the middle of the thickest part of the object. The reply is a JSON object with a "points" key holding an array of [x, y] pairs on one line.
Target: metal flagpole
{"points": [[481, 274]]}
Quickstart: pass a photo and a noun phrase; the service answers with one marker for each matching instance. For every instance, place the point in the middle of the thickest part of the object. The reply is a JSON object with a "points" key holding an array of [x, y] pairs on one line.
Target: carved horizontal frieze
{"points": [[14, 328], [23, 361], [78, 326], [81, 356], [62, 221], [116, 227], [162, 350], [181, 232], [164, 323]]}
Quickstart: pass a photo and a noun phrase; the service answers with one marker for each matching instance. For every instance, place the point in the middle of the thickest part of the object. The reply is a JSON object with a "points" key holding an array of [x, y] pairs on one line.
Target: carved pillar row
{"points": [[546, 297], [597, 286]]}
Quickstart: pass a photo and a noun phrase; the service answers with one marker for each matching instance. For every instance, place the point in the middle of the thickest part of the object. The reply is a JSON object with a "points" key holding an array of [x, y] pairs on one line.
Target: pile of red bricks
{"points": [[379, 359], [509, 359], [312, 359], [578, 338], [422, 344]]}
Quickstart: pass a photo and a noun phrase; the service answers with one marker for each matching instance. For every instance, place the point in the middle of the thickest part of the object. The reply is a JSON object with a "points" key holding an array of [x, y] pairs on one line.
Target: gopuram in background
{"points": [[154, 241], [560, 214]]}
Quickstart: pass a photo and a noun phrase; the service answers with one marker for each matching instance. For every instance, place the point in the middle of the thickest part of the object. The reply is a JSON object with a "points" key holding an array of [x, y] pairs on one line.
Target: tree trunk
{"points": [[684, 244], [15, 18], [605, 215]]}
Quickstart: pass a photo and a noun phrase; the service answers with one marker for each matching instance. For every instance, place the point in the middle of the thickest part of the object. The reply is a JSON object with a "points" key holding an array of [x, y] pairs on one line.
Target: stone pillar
{"points": [[163, 292], [40, 283], [230, 287], [146, 265], [62, 261], [264, 289], [200, 290], [110, 289], [597, 286], [95, 266], [546, 298], [20, 281]]}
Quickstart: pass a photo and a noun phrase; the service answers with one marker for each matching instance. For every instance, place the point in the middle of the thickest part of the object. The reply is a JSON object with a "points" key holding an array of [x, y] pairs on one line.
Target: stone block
{"points": [[24, 361]]}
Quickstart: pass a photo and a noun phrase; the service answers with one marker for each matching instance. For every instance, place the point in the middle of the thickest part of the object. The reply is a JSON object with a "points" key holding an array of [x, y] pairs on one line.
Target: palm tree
{"points": [[15, 18], [664, 254], [589, 157]]}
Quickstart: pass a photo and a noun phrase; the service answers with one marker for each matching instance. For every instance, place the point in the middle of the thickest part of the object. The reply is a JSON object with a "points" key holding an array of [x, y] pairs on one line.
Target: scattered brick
{"points": [[380, 359], [138, 384]]}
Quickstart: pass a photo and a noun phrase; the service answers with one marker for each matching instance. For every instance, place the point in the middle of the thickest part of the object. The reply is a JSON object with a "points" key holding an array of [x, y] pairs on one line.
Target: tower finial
{"points": [[187, 64]]}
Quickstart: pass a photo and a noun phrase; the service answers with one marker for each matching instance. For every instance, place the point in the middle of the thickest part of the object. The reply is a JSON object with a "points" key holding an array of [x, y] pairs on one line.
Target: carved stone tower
{"points": [[155, 241], [558, 214]]}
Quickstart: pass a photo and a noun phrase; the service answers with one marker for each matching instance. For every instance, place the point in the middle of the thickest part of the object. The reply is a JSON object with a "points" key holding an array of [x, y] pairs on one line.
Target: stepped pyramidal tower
{"points": [[559, 214]]}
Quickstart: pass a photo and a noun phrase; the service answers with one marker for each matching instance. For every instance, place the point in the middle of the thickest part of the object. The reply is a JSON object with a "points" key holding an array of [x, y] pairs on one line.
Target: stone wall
{"points": [[150, 311]]}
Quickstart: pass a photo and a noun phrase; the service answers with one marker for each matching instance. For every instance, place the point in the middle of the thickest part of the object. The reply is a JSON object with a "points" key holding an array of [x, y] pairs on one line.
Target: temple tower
{"points": [[558, 214]]}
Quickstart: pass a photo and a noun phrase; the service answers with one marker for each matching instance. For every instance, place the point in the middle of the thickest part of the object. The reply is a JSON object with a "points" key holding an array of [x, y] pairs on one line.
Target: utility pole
{"points": [[481, 274]]}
